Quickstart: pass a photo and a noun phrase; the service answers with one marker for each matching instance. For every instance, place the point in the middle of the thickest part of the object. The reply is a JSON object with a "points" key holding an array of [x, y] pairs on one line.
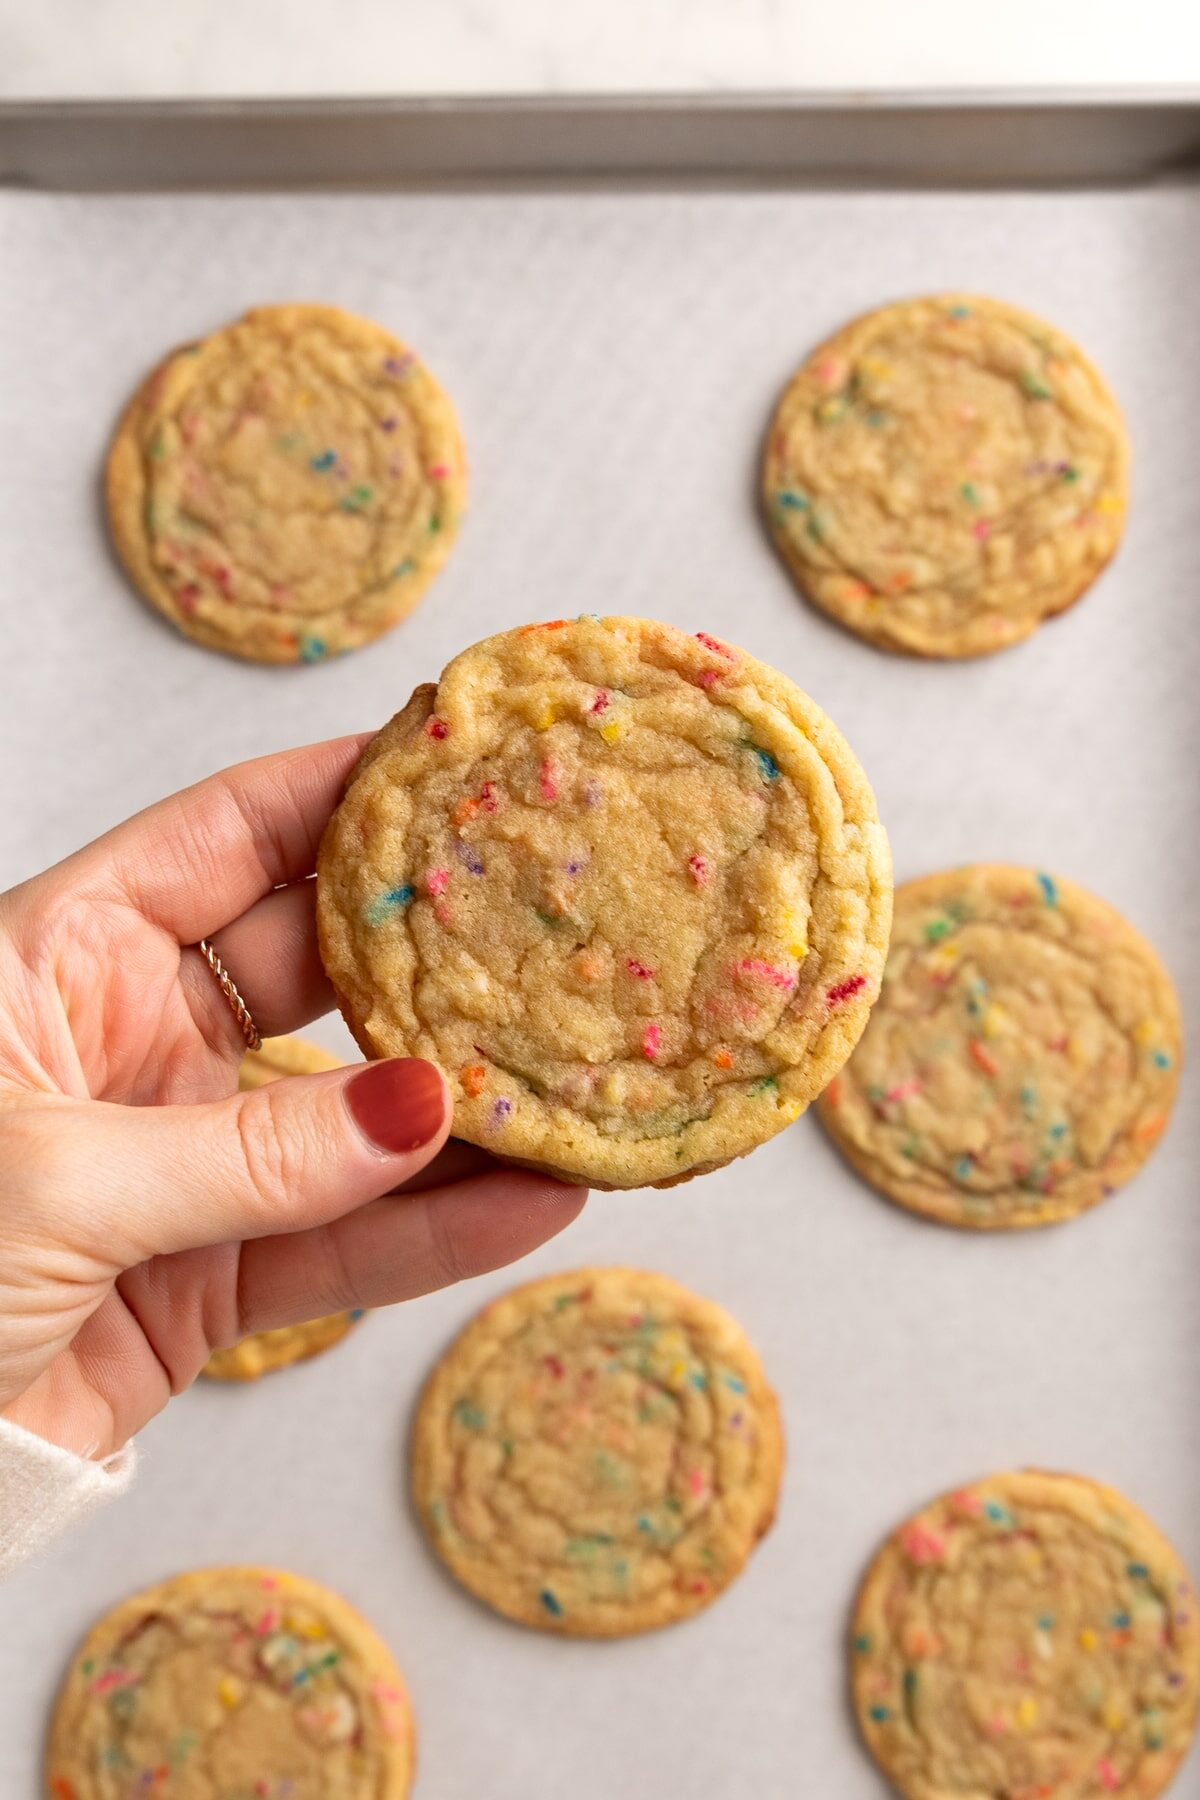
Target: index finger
{"points": [[195, 861]]}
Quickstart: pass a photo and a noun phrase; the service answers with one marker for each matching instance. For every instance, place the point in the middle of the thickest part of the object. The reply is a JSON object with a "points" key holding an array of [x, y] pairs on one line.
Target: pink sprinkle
{"points": [[696, 1481], [753, 965], [709, 677], [548, 780], [1108, 1774], [639, 969], [844, 989], [701, 870], [651, 1041], [716, 646], [981, 529], [556, 1366], [268, 1582], [436, 728], [439, 471], [922, 1546], [600, 703], [114, 1678], [487, 796], [436, 881], [903, 1090], [967, 1502], [995, 1726], [268, 1623]]}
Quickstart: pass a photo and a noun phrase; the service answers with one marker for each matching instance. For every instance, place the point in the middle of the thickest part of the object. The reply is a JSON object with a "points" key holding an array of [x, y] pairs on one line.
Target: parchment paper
{"points": [[615, 359]]}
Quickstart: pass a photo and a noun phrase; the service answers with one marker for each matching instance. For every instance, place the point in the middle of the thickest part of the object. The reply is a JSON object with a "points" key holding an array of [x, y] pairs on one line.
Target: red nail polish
{"points": [[399, 1104]]}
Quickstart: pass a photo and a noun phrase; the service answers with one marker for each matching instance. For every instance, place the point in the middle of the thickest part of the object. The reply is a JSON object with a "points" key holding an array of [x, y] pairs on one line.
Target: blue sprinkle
{"points": [[962, 1168], [357, 1312], [644, 1524], [1046, 1622], [388, 902], [1049, 891], [1161, 1060], [403, 568], [766, 762], [1139, 1571], [879, 1714], [311, 649], [792, 502], [734, 1383], [326, 460], [862, 1643], [1057, 1131], [910, 1681], [998, 1514], [551, 1603], [960, 312], [698, 1379], [1121, 1620]]}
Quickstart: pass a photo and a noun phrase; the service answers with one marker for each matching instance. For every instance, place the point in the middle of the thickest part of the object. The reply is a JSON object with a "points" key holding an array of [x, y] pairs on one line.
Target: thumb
{"points": [[293, 1154]]}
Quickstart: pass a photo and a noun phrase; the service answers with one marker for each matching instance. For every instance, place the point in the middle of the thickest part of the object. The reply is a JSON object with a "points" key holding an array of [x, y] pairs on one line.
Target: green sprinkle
{"points": [[876, 417], [1033, 386], [506, 1444], [468, 1414], [862, 1643], [911, 1147], [403, 568], [938, 928], [157, 448], [435, 524], [356, 499], [815, 529], [88, 1667], [960, 312], [910, 1681], [970, 493], [764, 1085], [1068, 473], [551, 1603]]}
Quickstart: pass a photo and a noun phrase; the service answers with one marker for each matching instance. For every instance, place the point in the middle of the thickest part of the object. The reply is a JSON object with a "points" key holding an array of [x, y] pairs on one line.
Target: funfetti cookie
{"points": [[286, 488], [945, 473], [598, 1453], [627, 886], [1022, 1059]]}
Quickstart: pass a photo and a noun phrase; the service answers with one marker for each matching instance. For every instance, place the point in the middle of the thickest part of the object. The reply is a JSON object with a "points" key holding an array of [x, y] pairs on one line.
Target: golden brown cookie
{"points": [[1030, 1637], [627, 886], [286, 488], [264, 1351], [232, 1682], [1023, 1056], [598, 1453], [945, 473]]}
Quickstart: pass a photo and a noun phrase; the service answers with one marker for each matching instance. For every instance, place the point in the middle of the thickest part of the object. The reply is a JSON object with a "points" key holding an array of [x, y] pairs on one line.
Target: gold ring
{"points": [[228, 987]]}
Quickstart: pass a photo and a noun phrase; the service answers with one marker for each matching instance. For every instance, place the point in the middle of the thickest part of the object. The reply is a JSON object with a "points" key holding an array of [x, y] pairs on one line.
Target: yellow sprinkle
{"points": [[994, 1020], [874, 366], [1087, 1640], [303, 1627], [610, 733], [799, 951], [677, 1371], [1114, 1718], [1110, 503], [303, 400], [1145, 1034], [229, 1691], [546, 720], [1027, 1713]]}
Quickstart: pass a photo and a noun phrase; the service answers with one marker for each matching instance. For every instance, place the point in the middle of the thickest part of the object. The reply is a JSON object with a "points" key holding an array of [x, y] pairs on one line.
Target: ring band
{"points": [[228, 987]]}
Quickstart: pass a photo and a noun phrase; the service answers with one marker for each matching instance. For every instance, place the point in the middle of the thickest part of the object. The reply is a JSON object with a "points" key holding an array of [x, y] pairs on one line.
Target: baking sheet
{"points": [[614, 359]]}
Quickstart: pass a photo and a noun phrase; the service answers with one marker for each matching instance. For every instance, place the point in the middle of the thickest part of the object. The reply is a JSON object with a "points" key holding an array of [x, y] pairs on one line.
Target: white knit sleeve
{"points": [[44, 1489]]}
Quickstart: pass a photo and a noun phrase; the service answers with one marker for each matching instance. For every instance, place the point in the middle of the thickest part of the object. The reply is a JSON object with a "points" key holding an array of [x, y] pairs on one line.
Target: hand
{"points": [[148, 1211]]}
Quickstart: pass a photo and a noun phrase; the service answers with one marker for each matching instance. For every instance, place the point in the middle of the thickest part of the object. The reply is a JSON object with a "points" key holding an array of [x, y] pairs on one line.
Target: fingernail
{"points": [[399, 1104]]}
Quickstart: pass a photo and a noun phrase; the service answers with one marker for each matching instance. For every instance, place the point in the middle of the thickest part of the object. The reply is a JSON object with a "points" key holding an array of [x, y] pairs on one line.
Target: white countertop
{"points": [[112, 49]]}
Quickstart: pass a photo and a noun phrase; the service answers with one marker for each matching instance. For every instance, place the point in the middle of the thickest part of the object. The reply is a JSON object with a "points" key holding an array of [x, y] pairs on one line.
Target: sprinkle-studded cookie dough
{"points": [[264, 1351], [1023, 1057], [286, 488], [945, 473], [1030, 1637], [627, 886], [227, 1683], [598, 1453]]}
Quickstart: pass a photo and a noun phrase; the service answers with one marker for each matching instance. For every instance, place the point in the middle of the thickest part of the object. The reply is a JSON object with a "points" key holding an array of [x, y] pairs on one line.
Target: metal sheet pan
{"points": [[614, 353]]}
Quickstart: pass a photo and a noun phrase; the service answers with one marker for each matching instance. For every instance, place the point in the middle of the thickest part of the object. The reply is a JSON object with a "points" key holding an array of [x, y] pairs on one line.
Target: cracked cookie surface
{"points": [[1029, 1637], [263, 1351], [227, 1682], [598, 1453], [945, 473], [1023, 1056], [626, 886], [286, 488]]}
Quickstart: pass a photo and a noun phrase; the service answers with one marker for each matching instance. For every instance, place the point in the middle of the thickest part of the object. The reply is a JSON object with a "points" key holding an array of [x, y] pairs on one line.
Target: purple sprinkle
{"points": [[1174, 1680], [387, 424], [574, 866], [395, 470], [501, 1110], [592, 793], [470, 857], [735, 1420], [399, 365]]}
